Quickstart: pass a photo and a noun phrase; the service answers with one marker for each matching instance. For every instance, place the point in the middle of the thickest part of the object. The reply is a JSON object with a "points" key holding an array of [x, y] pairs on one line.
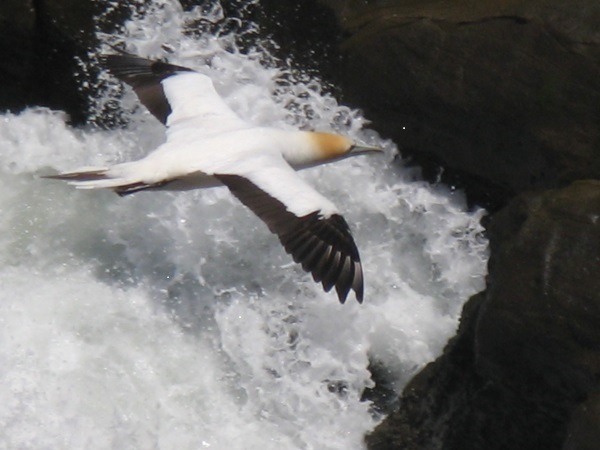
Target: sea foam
{"points": [[176, 320]]}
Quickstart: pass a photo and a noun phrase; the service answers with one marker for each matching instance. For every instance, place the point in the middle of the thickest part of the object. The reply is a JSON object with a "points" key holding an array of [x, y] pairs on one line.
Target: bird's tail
{"points": [[117, 178]]}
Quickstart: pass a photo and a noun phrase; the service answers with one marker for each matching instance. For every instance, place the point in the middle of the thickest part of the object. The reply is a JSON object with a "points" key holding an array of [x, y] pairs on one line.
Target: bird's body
{"points": [[209, 145]]}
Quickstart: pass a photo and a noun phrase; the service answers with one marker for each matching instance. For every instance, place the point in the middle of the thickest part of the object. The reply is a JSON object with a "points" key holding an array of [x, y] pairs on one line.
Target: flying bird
{"points": [[208, 144]]}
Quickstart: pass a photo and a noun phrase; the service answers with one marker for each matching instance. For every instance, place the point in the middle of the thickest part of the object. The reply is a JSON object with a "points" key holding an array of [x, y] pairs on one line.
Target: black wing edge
{"points": [[323, 246], [144, 76]]}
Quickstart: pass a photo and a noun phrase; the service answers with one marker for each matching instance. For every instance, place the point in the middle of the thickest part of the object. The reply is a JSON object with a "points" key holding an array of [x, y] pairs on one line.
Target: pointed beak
{"points": [[360, 149]]}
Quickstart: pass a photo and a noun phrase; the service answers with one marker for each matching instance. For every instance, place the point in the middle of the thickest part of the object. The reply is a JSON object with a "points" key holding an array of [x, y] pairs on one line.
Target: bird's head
{"points": [[331, 146]]}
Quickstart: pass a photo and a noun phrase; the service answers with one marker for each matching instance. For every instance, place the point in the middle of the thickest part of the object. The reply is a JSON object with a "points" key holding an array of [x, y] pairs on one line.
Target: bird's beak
{"points": [[360, 149]]}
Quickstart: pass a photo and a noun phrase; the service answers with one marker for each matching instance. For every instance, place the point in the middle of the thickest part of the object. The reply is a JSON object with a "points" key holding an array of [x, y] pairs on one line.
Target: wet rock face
{"points": [[524, 368], [503, 95], [16, 39], [40, 41], [540, 322]]}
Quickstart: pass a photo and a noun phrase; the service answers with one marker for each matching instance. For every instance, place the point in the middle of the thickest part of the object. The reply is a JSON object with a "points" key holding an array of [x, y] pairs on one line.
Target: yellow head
{"points": [[308, 148], [331, 146]]}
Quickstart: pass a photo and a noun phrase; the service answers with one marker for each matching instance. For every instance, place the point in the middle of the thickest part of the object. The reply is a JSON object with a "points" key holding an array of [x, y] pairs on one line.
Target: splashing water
{"points": [[176, 320]]}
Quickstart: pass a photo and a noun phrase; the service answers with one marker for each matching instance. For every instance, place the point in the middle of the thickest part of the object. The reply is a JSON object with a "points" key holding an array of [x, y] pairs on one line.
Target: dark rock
{"points": [[523, 371], [583, 432], [64, 33], [41, 45], [382, 395], [540, 323], [16, 46], [504, 96]]}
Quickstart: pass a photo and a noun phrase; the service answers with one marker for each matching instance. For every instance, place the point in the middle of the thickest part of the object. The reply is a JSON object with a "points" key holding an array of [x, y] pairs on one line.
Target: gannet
{"points": [[207, 145]]}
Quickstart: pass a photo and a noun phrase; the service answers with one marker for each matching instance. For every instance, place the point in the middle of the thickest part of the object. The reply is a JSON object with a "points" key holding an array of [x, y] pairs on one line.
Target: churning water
{"points": [[176, 320]]}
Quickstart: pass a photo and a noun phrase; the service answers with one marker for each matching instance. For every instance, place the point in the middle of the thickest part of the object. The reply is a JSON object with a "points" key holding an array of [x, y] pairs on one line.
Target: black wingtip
{"points": [[359, 295], [342, 294], [350, 279], [145, 76], [130, 68], [90, 175], [322, 245], [358, 285]]}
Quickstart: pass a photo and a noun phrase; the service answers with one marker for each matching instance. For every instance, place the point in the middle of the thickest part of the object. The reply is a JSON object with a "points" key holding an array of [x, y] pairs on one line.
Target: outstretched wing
{"points": [[306, 223], [174, 94]]}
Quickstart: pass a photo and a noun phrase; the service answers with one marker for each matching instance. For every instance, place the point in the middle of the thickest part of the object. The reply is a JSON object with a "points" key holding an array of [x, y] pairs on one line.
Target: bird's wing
{"points": [[306, 223], [174, 94]]}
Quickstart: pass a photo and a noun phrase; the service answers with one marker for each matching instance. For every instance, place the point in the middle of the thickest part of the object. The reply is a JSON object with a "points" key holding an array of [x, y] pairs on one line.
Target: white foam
{"points": [[169, 320]]}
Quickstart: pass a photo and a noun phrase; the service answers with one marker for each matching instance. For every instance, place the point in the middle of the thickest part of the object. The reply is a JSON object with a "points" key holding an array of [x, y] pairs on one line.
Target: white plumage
{"points": [[208, 145]]}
